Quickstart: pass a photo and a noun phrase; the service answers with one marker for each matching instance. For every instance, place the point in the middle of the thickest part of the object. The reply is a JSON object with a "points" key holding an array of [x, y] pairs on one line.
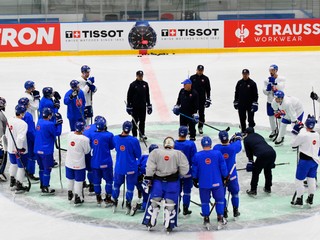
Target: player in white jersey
{"points": [[78, 147], [34, 99], [272, 84], [289, 110], [86, 84], [308, 143], [16, 135]]}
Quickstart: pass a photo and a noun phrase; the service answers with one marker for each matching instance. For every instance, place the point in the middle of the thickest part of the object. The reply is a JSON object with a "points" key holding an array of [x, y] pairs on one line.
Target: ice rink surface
{"points": [[164, 74]]}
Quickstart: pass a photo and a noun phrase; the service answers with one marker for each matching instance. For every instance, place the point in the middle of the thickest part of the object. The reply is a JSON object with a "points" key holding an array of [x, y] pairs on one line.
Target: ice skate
{"points": [[70, 195], [309, 200], [12, 183], [168, 230], [236, 213], [298, 203], [77, 200], [279, 143], [3, 177], [200, 129], [108, 201], [273, 135], [91, 190], [33, 179], [252, 193], [99, 200], [225, 213], [221, 222], [267, 190], [206, 223], [186, 211], [20, 188], [135, 208], [128, 207], [115, 205], [46, 191], [143, 138]]}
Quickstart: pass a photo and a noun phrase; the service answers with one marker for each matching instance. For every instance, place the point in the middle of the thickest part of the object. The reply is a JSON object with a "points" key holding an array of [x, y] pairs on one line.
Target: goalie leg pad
{"points": [[151, 213], [170, 214]]}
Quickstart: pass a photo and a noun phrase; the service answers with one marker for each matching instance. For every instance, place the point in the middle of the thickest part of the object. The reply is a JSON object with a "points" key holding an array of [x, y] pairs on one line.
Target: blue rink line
{"points": [[264, 210]]}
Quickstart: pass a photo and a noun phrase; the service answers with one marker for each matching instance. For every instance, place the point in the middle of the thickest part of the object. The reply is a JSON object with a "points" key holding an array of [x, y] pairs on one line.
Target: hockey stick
{"points": [[278, 164], [59, 151], [186, 116], [226, 183], [59, 146], [295, 193]]}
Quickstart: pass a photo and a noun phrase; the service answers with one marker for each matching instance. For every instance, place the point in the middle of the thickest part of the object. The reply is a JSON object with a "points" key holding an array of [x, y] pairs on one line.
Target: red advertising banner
{"points": [[29, 37], [272, 33]]}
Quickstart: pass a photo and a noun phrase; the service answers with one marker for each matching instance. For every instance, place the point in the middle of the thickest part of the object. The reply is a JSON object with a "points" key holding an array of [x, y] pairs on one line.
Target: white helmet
{"points": [[168, 142]]}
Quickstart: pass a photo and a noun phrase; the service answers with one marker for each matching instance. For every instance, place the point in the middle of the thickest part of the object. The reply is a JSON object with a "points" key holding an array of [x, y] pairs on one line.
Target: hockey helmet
{"points": [[47, 92], [101, 123], [3, 103], [79, 126], [97, 118], [23, 101], [46, 112], [273, 67], [127, 126], [223, 136], [183, 131], [279, 94], [168, 142], [206, 141], [20, 109], [310, 122], [74, 84], [28, 84], [153, 147], [85, 69]]}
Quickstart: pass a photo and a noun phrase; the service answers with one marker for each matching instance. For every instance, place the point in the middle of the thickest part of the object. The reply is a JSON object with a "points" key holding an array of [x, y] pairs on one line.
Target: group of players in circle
{"points": [[165, 173]]}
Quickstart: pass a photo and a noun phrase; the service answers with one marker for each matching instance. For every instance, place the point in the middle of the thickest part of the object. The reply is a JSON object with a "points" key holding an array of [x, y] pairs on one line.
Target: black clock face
{"points": [[142, 37]]}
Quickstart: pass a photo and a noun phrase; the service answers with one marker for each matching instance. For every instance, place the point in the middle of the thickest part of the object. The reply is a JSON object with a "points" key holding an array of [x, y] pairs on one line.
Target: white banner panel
{"points": [[142, 35]]}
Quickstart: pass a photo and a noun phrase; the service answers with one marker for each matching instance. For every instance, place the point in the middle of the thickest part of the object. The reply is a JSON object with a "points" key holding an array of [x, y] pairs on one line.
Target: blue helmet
{"points": [[183, 131], [310, 122], [3, 103], [47, 92], [127, 126], [46, 112], [74, 83], [85, 68], [79, 126], [101, 123], [279, 94], [28, 84], [97, 118], [223, 136], [20, 109], [23, 101], [273, 66], [206, 141], [153, 147]]}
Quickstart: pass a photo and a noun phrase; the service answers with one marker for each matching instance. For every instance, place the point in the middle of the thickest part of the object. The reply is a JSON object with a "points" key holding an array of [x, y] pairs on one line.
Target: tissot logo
{"points": [[189, 32], [94, 34], [73, 34]]}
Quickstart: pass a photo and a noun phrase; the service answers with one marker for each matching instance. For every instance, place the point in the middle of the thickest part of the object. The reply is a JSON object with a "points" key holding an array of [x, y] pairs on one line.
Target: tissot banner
{"points": [[268, 33]]}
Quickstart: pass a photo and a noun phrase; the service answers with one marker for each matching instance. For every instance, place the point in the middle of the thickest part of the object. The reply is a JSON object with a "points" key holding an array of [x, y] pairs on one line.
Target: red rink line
{"points": [[155, 90]]}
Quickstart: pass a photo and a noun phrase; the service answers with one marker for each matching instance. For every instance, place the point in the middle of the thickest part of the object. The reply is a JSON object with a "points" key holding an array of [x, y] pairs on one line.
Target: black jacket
{"points": [[256, 145], [246, 93], [201, 84], [138, 94], [188, 102]]}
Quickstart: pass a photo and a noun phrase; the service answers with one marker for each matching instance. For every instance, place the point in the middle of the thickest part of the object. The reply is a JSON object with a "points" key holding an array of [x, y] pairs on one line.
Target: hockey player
{"points": [[201, 84], [189, 148], [86, 84], [75, 101], [101, 142], [271, 85], [16, 134], [50, 99], [255, 145], [128, 152], [46, 133], [188, 104], [289, 109], [208, 171], [3, 140], [31, 163], [34, 98], [229, 150], [138, 104], [246, 100], [164, 168], [78, 147], [308, 143]]}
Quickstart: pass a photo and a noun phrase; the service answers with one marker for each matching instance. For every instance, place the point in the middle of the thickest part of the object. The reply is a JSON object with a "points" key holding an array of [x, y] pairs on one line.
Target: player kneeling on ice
{"points": [[164, 168], [208, 171], [78, 147], [229, 149], [308, 143]]}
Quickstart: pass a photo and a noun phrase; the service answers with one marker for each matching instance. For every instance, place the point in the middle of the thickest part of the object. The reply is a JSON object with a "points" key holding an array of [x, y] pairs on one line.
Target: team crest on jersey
{"points": [[225, 155], [248, 86], [79, 102], [72, 144], [314, 142], [38, 128], [87, 127], [122, 148], [207, 161], [95, 142], [166, 158]]}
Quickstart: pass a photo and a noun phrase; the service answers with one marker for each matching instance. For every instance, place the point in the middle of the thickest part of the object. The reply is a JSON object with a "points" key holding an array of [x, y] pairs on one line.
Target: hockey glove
{"points": [[140, 178], [59, 120], [56, 103], [56, 95], [250, 166], [226, 181], [279, 114], [207, 103], [35, 94], [314, 96], [269, 87], [149, 109], [254, 107], [90, 80], [235, 105], [88, 112], [195, 117], [176, 110], [92, 88], [129, 110], [195, 182], [237, 136], [272, 80], [73, 94], [297, 127]]}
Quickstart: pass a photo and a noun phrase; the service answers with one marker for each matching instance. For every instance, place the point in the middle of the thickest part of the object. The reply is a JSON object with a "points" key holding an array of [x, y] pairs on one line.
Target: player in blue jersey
{"points": [[208, 171], [101, 142], [75, 101], [50, 99], [126, 168], [46, 133], [229, 151], [31, 164], [189, 148]]}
